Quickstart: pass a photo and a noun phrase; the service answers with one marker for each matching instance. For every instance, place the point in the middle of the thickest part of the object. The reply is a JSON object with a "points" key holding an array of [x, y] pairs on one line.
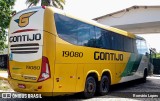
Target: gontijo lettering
{"points": [[27, 37], [107, 56]]}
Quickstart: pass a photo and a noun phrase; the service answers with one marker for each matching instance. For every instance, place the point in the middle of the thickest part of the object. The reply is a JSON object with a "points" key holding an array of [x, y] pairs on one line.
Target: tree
{"points": [[55, 3], [6, 7]]}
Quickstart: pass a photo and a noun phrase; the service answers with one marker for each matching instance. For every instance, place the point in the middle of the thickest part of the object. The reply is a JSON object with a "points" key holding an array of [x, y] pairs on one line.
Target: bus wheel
{"points": [[104, 85], [90, 87]]}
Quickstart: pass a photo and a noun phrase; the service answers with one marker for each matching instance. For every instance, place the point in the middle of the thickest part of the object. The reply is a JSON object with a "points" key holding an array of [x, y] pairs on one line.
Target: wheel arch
{"points": [[107, 73], [93, 73]]}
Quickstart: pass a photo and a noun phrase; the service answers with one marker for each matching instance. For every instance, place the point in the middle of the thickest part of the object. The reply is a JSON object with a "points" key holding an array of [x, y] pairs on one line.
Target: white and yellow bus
{"points": [[53, 52]]}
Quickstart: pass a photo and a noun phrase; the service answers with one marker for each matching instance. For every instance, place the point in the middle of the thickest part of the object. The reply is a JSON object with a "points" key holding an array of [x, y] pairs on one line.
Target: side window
{"points": [[117, 41], [143, 47], [86, 35], [128, 44], [66, 28], [135, 46], [103, 38], [99, 42], [106, 38], [74, 31], [80, 33], [138, 43], [120, 43]]}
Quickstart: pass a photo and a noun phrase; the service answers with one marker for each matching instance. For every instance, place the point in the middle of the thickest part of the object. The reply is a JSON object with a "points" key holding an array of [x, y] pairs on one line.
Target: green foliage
{"points": [[32, 2], [55, 3], [58, 3], [158, 55], [6, 7]]}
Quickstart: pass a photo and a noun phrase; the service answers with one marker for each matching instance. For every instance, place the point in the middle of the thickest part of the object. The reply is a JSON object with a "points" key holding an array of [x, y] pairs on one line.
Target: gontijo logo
{"points": [[24, 19]]}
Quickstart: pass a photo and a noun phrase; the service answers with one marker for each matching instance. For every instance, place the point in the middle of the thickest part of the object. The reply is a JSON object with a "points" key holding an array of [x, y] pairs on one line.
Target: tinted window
{"points": [[128, 44], [80, 33], [86, 35], [74, 31], [141, 46], [138, 44], [66, 28], [103, 38], [99, 42], [117, 41], [135, 46]]}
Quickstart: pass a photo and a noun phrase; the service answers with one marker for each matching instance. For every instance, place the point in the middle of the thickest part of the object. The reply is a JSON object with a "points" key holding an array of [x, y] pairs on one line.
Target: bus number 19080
{"points": [[72, 54]]}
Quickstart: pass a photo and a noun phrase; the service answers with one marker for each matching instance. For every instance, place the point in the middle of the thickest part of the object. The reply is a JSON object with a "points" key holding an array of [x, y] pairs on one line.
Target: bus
{"points": [[54, 53]]}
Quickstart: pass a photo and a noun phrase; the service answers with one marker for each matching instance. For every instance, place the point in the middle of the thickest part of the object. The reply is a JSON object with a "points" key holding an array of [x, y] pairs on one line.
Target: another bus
{"points": [[54, 53]]}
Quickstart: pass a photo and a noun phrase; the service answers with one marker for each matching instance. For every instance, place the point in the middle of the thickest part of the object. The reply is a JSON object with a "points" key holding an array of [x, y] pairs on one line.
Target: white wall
{"points": [[139, 15]]}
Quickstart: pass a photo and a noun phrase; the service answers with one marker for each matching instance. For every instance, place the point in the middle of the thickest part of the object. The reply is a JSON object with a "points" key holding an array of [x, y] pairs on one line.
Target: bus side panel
{"points": [[65, 78], [89, 62], [134, 68], [119, 70], [80, 76]]}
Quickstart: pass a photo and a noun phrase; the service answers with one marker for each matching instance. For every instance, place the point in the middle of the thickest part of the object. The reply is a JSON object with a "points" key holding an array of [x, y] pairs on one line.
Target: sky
{"points": [[90, 9]]}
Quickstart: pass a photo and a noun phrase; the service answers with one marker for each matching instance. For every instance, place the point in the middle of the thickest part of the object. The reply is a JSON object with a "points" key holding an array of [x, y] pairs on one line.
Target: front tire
{"points": [[90, 87], [104, 86]]}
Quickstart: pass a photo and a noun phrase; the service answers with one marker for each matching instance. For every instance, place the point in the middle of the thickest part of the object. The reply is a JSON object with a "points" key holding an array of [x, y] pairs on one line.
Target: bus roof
{"points": [[89, 21], [92, 22], [140, 38]]}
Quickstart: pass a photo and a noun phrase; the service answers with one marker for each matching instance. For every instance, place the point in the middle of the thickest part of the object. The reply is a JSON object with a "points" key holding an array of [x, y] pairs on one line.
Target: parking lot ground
{"points": [[3, 75], [134, 90], [130, 91]]}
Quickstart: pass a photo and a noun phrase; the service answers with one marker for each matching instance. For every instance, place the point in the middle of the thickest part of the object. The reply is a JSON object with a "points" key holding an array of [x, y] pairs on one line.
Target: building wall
{"points": [[138, 15]]}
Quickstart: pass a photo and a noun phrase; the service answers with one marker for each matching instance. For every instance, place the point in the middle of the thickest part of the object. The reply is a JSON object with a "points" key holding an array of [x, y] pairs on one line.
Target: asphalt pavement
{"points": [[131, 91]]}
